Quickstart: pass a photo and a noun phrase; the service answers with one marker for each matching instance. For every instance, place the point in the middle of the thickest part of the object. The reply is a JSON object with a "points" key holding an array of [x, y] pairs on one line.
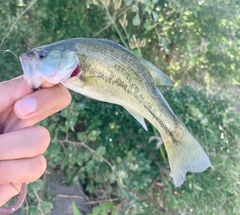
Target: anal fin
{"points": [[138, 117]]}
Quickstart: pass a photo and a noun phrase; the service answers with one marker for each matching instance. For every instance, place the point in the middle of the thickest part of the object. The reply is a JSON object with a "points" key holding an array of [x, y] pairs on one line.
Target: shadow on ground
{"points": [[62, 197]]}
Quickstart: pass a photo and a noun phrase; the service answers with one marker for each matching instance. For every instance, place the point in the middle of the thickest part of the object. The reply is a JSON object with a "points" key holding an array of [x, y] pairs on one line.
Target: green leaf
{"points": [[128, 2], [137, 52], [46, 206], [136, 20], [101, 150], [135, 8], [94, 134], [37, 185], [161, 18], [103, 208], [81, 136], [155, 16], [164, 42], [197, 187], [90, 188], [148, 10], [75, 209], [192, 61], [148, 25], [33, 210]]}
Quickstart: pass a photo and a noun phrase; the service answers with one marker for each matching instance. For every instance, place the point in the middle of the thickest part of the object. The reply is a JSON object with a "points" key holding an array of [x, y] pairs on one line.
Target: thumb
{"points": [[11, 91]]}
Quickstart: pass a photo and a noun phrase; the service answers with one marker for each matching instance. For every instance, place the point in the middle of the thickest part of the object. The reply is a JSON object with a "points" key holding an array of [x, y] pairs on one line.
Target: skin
{"points": [[21, 155]]}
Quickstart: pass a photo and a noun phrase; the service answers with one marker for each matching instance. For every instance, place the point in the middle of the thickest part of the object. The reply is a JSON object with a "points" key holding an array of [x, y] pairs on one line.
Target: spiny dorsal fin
{"points": [[137, 116], [159, 78]]}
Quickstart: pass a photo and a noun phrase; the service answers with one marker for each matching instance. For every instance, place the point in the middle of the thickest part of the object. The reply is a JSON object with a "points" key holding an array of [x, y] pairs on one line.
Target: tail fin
{"points": [[186, 155]]}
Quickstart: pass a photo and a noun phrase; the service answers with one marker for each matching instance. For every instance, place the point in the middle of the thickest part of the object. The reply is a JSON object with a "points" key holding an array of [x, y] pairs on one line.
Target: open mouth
{"points": [[72, 74], [76, 71]]}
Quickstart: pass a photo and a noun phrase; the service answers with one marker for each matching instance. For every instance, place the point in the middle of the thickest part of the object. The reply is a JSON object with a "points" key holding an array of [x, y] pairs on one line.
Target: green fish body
{"points": [[104, 70]]}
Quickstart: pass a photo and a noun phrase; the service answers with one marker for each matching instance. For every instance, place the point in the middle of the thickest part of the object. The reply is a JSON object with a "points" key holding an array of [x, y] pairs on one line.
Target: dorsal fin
{"points": [[159, 78]]}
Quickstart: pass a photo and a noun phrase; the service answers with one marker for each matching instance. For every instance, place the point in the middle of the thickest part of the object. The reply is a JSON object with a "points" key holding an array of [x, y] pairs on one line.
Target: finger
{"points": [[47, 85], [21, 171], [11, 91], [42, 103], [24, 143], [7, 191], [21, 198]]}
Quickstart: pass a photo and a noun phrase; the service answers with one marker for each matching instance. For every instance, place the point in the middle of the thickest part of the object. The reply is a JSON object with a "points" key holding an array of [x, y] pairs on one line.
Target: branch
{"points": [[15, 22], [102, 201], [70, 196], [86, 147], [39, 200]]}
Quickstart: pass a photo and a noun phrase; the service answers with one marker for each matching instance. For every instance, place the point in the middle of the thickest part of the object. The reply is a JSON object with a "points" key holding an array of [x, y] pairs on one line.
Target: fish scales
{"points": [[109, 72], [113, 65], [128, 75]]}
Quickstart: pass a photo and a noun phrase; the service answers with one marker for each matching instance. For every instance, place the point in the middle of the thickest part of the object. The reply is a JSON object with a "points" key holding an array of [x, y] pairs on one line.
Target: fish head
{"points": [[54, 63]]}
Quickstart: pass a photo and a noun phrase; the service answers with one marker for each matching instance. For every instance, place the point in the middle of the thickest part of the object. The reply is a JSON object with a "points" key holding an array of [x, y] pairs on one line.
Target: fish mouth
{"points": [[29, 74], [36, 76]]}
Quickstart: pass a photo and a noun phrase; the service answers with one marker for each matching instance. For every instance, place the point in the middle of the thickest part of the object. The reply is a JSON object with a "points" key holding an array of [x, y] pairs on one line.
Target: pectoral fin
{"points": [[138, 117], [160, 79]]}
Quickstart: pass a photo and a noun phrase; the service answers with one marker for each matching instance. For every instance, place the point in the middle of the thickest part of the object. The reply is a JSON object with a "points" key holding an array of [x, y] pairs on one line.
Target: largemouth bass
{"points": [[104, 70]]}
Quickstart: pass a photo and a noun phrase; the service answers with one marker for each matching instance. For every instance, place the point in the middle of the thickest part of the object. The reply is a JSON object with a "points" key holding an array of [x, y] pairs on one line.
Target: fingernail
{"points": [[26, 106]]}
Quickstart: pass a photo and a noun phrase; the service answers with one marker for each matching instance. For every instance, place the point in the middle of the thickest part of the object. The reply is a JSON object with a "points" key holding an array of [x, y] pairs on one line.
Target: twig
{"points": [[101, 201], [70, 196], [103, 29], [160, 148], [7, 50], [112, 22], [86, 147], [15, 22], [39, 200], [88, 203], [27, 207]]}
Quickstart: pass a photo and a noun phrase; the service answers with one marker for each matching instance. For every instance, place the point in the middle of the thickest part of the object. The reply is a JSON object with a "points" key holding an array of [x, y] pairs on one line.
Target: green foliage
{"points": [[105, 208], [75, 209], [37, 205], [214, 123], [101, 146]]}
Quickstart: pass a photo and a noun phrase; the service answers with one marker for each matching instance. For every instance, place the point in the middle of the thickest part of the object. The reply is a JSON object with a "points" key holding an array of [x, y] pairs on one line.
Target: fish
{"points": [[104, 70]]}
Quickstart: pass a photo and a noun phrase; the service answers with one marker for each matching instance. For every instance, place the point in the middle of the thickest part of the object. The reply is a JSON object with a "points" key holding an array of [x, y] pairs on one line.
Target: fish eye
{"points": [[41, 54]]}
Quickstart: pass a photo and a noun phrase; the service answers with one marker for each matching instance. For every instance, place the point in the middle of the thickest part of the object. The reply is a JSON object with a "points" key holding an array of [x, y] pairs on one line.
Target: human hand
{"points": [[21, 144]]}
